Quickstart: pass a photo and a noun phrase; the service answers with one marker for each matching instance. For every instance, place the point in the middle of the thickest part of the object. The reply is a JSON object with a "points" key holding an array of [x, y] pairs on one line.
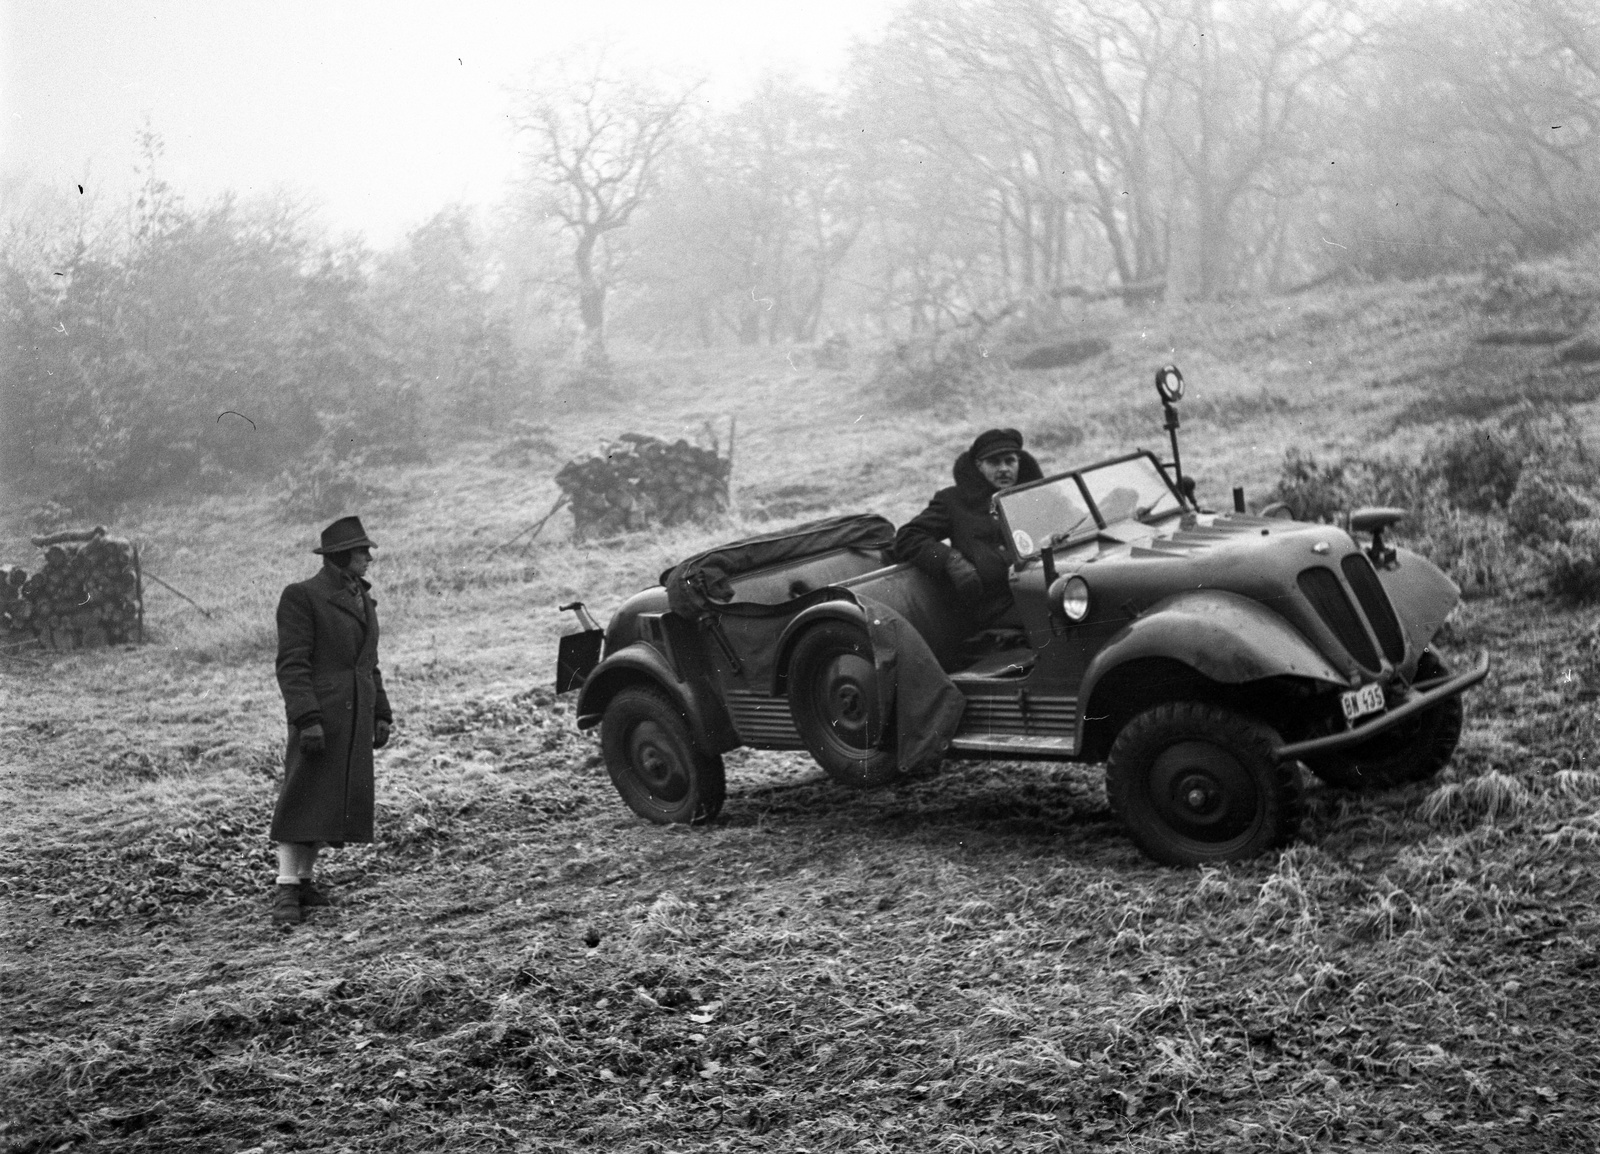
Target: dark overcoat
{"points": [[328, 672], [960, 516]]}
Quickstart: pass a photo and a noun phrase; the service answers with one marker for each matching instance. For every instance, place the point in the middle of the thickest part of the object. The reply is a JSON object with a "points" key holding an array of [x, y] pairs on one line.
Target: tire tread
{"points": [[1194, 719], [709, 774]]}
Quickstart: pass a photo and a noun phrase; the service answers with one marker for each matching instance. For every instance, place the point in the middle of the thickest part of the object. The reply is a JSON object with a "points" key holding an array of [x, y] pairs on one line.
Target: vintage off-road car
{"points": [[1202, 656]]}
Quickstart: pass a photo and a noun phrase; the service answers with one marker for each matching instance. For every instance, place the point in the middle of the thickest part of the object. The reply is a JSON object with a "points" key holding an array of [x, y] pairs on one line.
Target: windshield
{"points": [[1044, 515], [1040, 516], [1130, 489]]}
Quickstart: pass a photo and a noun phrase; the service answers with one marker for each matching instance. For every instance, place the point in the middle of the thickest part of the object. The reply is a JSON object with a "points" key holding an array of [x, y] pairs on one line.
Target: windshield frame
{"points": [[1099, 525]]}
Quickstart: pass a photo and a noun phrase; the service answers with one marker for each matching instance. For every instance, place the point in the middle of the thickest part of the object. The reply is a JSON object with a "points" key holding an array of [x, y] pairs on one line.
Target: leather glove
{"points": [[380, 734], [962, 574], [312, 739]]}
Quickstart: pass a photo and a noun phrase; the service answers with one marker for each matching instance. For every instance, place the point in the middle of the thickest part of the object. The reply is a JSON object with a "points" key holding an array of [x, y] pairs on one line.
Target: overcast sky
{"points": [[380, 112]]}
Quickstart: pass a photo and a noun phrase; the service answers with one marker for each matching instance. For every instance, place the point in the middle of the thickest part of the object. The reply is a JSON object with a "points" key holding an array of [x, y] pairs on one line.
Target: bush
{"points": [[1572, 566], [1477, 551], [1541, 509], [326, 487], [932, 372], [1312, 491], [1510, 507], [1479, 469]]}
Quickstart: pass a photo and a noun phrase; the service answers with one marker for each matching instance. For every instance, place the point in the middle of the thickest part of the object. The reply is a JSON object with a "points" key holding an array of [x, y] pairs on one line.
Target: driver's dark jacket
{"points": [[960, 515]]}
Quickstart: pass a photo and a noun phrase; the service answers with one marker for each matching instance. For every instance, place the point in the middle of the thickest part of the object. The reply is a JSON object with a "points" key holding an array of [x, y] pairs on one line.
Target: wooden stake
{"points": [[138, 591], [727, 480], [179, 592], [534, 529]]}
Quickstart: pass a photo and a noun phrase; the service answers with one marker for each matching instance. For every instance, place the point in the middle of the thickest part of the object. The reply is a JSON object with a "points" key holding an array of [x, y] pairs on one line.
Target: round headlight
{"points": [[1169, 383], [1075, 599]]}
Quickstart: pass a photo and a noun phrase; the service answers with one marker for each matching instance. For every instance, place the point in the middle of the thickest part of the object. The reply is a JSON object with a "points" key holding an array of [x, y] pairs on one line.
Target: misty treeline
{"points": [[981, 158], [190, 345], [991, 154]]}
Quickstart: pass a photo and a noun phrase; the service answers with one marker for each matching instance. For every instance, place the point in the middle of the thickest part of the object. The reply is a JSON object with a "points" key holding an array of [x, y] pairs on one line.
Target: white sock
{"points": [[295, 861]]}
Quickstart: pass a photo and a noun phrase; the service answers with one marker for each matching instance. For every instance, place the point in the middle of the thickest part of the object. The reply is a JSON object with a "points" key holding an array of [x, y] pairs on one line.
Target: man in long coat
{"points": [[957, 538], [337, 712]]}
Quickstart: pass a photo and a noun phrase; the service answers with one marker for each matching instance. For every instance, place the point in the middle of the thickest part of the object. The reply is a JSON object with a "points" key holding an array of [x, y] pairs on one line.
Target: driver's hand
{"points": [[312, 739], [962, 574]]}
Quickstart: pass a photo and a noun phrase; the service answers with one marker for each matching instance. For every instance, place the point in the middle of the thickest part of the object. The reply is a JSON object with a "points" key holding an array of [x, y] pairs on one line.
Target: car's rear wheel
{"points": [[837, 709], [1195, 783], [1414, 750], [653, 760]]}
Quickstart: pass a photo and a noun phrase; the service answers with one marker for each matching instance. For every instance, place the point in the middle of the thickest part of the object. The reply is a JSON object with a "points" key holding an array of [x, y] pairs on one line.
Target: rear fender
{"points": [[1224, 637], [840, 610], [1421, 594], [640, 663]]}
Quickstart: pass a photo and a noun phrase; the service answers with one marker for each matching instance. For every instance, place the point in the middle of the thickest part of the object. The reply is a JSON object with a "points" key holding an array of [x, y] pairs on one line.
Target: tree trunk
{"points": [[591, 293]]}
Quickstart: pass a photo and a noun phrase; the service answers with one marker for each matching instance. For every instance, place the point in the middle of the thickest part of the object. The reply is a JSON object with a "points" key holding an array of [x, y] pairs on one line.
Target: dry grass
{"points": [[971, 961]]}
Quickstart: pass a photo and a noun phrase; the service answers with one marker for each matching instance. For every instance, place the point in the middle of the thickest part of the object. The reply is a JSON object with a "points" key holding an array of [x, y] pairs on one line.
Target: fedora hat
{"points": [[345, 533]]}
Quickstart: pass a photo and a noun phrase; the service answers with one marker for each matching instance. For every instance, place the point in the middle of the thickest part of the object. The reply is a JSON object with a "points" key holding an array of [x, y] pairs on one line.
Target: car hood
{"points": [[1131, 567]]}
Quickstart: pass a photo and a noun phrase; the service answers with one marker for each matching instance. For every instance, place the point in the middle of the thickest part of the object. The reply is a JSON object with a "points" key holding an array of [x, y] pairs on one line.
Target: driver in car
{"points": [[955, 538]]}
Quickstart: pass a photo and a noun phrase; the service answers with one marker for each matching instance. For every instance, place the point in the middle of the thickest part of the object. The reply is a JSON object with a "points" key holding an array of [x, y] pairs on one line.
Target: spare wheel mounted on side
{"points": [[843, 716]]}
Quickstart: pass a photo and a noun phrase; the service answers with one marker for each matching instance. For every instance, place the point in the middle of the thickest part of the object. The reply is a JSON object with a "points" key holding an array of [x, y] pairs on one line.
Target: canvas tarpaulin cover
{"points": [[927, 705], [702, 582]]}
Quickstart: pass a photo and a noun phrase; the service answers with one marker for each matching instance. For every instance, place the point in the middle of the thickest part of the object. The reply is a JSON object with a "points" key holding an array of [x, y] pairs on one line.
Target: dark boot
{"points": [[286, 905], [310, 895]]}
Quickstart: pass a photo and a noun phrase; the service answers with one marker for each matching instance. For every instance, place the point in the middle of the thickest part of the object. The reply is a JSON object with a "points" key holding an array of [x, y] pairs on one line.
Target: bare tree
{"points": [[597, 136]]}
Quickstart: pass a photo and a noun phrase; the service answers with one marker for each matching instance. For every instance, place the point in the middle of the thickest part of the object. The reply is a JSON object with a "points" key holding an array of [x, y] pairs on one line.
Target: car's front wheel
{"points": [[1413, 750], [837, 709], [653, 760], [1195, 784]]}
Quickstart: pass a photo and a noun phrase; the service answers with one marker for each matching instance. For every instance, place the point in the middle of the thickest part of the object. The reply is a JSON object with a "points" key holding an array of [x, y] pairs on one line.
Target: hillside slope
{"points": [[974, 960]]}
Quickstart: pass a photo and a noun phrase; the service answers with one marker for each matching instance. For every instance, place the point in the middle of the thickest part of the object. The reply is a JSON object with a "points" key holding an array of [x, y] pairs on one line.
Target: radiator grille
{"points": [[1374, 601], [762, 722], [1020, 712], [1328, 598]]}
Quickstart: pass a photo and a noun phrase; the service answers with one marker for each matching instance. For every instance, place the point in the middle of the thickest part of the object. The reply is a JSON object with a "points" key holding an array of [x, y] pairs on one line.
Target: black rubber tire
{"points": [[833, 697], [1196, 784], [1412, 751], [653, 760]]}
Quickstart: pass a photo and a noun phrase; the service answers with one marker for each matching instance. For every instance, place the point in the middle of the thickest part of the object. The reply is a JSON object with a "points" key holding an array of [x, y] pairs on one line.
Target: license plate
{"points": [[1360, 702]]}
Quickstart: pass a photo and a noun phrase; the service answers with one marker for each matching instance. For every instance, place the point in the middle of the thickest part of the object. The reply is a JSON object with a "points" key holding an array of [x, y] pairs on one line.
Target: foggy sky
{"points": [[379, 112]]}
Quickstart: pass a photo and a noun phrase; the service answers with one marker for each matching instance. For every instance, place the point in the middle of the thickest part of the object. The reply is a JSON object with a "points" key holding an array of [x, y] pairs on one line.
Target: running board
{"points": [[1015, 744]]}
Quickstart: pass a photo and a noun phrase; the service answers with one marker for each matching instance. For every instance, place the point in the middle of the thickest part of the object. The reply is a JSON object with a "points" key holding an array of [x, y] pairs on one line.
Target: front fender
{"points": [[641, 663], [1223, 636], [1421, 594], [843, 609]]}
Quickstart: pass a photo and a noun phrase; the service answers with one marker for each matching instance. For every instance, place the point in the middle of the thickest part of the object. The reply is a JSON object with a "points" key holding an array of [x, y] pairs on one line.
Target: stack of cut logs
{"points": [[87, 593], [639, 481]]}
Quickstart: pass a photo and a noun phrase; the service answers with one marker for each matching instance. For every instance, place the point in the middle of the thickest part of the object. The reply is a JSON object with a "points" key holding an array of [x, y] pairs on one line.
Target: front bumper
{"points": [[1435, 693]]}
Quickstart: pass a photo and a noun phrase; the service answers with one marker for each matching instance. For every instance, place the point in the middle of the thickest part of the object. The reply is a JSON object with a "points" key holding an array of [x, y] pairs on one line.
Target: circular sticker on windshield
{"points": [[1023, 542]]}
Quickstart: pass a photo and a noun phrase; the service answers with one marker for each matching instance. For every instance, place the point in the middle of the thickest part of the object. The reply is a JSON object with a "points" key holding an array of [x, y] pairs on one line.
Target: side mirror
{"points": [[1375, 520], [1379, 518]]}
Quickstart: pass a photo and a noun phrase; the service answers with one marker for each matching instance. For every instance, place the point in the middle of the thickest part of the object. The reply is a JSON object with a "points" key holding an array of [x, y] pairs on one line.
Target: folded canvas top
{"points": [[702, 583]]}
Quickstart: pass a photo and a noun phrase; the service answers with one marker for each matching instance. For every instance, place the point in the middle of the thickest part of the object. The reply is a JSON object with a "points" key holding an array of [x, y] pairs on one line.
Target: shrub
{"points": [[1479, 469], [932, 372], [326, 487], [1540, 509], [1313, 492], [1477, 551], [1572, 565]]}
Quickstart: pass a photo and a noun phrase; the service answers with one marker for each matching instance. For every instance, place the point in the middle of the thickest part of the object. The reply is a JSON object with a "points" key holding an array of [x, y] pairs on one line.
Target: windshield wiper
{"points": [[1063, 536]]}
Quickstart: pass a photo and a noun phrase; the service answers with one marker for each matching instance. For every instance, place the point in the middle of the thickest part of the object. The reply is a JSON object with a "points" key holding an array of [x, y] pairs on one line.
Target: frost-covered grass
{"points": [[972, 960]]}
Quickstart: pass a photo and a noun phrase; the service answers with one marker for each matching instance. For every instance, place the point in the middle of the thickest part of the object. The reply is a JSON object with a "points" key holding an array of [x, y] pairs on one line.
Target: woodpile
{"points": [[638, 481], [88, 592]]}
